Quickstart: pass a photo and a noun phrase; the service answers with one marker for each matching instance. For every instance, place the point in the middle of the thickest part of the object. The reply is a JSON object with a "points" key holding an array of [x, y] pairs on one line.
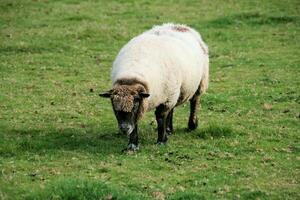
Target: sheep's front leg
{"points": [[194, 102], [133, 140], [170, 122], [161, 114]]}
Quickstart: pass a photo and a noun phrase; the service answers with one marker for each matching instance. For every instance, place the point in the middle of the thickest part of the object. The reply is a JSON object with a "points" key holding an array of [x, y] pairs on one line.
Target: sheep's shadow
{"points": [[91, 141], [54, 141]]}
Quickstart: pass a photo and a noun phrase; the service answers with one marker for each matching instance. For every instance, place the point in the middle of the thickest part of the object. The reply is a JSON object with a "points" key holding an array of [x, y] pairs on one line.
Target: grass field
{"points": [[59, 139]]}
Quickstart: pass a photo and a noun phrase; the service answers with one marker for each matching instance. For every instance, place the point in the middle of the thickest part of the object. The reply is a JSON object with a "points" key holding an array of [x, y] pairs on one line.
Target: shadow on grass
{"points": [[54, 141], [212, 131], [215, 131]]}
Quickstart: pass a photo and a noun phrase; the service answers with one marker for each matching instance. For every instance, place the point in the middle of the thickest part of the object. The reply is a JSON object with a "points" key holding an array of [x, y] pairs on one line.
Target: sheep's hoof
{"points": [[132, 147], [190, 129], [161, 143], [192, 126], [169, 131]]}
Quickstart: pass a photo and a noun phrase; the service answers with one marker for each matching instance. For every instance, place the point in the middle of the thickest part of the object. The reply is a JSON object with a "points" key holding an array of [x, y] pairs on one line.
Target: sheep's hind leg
{"points": [[133, 144], [194, 103], [161, 114], [170, 122]]}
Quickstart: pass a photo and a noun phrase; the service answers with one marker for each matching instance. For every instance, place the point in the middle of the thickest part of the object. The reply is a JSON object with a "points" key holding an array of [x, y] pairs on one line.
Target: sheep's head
{"points": [[128, 105]]}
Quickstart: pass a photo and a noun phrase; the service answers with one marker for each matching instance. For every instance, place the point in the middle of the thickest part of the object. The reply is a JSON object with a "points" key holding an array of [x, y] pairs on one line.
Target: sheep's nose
{"points": [[124, 128]]}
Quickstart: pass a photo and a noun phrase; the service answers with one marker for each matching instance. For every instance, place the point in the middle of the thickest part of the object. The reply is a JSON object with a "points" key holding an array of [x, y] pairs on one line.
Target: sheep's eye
{"points": [[136, 98]]}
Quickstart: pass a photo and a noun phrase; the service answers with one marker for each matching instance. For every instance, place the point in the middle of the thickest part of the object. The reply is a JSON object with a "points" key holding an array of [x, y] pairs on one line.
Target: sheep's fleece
{"points": [[171, 59]]}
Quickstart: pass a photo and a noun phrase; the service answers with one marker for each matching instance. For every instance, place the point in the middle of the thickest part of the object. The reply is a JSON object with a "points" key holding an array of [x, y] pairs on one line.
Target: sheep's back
{"points": [[171, 67]]}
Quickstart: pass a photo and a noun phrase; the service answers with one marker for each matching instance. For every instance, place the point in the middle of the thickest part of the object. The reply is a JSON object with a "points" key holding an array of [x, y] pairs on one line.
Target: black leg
{"points": [[161, 114], [193, 120], [170, 122], [133, 140]]}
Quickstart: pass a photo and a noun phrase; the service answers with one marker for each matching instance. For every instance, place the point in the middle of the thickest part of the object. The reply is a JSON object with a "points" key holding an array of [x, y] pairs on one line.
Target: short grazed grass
{"points": [[215, 132], [71, 188], [59, 140]]}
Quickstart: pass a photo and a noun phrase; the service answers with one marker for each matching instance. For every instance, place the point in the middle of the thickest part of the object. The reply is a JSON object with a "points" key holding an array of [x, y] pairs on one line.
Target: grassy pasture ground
{"points": [[59, 140]]}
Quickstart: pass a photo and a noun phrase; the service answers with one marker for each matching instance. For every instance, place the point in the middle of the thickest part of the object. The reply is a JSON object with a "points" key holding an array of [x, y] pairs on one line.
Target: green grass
{"points": [[72, 189], [59, 140]]}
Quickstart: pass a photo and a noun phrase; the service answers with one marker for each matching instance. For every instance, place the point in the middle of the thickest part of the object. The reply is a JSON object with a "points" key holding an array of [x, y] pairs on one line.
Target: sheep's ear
{"points": [[106, 94], [144, 95]]}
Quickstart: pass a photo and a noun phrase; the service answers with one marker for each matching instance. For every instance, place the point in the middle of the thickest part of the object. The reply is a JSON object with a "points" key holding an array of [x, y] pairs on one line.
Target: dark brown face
{"points": [[127, 120], [127, 106]]}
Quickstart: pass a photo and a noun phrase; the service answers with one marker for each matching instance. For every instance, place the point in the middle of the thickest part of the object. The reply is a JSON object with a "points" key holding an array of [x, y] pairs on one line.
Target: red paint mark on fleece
{"points": [[180, 29]]}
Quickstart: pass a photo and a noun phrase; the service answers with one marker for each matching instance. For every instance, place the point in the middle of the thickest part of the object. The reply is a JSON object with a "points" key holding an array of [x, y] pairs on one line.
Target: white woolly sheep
{"points": [[159, 69]]}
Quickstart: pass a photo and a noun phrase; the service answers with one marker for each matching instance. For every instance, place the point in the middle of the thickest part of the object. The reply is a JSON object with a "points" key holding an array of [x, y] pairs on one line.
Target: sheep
{"points": [[159, 69]]}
